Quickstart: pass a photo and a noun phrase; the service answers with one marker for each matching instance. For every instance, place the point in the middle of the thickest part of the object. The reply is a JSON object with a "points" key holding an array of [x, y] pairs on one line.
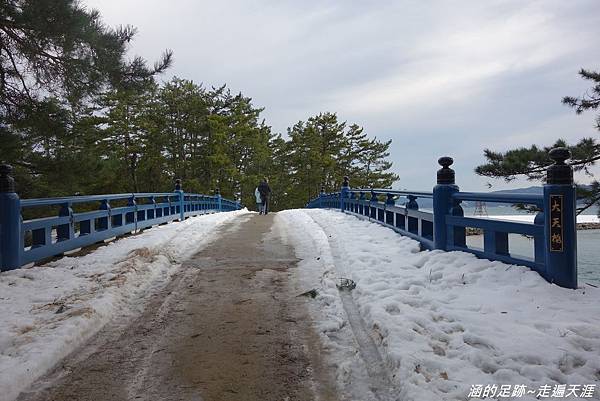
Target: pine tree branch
{"points": [[12, 60]]}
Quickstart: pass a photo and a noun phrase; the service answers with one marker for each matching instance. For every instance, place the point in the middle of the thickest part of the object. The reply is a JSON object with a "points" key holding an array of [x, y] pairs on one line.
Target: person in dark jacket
{"points": [[265, 194]]}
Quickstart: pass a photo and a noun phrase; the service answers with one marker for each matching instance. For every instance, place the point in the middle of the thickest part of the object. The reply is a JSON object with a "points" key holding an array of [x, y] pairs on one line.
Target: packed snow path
{"points": [[228, 326]]}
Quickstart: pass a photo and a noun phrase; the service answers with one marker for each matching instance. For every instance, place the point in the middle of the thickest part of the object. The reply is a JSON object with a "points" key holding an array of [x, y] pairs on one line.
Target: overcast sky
{"points": [[436, 77]]}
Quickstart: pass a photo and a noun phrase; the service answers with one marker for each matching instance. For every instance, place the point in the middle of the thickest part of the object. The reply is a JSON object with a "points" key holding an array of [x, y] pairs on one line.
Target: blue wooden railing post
{"points": [[219, 199], [181, 200], [11, 243], [389, 199], [442, 202], [560, 221], [345, 193], [373, 205], [412, 203]]}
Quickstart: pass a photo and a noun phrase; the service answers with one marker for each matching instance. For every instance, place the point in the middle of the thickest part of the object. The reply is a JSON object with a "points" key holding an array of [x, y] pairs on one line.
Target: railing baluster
{"points": [[495, 242], [65, 232], [130, 216], [389, 215], [538, 240], [104, 223], [362, 198]]}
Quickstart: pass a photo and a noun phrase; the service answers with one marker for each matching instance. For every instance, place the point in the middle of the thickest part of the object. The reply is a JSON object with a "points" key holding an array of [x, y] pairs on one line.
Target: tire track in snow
{"points": [[380, 382]]}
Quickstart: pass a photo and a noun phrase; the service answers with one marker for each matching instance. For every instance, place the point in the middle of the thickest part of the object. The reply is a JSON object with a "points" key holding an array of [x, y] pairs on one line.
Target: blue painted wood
{"points": [[10, 222], [54, 235]]}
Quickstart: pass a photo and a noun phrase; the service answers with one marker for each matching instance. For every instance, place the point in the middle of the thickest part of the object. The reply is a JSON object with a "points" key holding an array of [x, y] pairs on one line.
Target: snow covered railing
{"points": [[553, 230], [102, 217]]}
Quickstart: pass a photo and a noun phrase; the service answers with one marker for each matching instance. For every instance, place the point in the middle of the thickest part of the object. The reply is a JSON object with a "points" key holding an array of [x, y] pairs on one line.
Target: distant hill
{"points": [[534, 190]]}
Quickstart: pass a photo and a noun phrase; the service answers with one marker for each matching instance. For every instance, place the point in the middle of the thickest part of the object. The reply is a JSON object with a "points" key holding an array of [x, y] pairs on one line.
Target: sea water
{"points": [[588, 246]]}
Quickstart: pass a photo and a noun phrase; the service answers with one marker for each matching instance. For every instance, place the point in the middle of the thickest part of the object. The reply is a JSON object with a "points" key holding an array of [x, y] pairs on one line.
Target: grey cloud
{"points": [[440, 77]]}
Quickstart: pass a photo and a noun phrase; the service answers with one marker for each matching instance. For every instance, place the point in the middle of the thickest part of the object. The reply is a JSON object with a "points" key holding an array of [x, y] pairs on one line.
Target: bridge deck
{"points": [[229, 326]]}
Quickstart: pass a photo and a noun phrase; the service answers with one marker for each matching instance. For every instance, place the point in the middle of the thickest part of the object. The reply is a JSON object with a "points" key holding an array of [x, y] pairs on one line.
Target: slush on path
{"points": [[228, 326]]}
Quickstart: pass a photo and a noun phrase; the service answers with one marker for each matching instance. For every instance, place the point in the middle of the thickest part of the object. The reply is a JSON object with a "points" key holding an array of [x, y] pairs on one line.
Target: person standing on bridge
{"points": [[265, 194], [259, 202]]}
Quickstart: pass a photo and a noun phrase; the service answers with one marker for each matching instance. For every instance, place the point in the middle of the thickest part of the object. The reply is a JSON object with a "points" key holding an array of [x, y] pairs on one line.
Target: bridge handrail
{"points": [[25, 241], [383, 191], [553, 229], [530, 199], [91, 198]]}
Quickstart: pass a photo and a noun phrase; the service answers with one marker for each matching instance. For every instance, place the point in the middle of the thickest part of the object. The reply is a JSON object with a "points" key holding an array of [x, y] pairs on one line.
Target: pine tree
{"points": [[59, 47], [56, 59], [532, 162], [322, 150]]}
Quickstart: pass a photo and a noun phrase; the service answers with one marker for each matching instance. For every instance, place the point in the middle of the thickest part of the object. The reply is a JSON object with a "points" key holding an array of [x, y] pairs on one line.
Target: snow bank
{"points": [[47, 311], [446, 320]]}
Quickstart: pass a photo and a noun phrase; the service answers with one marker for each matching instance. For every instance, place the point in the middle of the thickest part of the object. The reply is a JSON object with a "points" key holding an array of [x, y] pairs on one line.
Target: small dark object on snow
{"points": [[312, 293], [346, 284], [60, 309]]}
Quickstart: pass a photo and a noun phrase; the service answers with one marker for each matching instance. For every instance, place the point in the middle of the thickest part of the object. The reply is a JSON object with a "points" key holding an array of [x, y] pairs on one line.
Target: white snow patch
{"points": [[446, 320], [47, 311]]}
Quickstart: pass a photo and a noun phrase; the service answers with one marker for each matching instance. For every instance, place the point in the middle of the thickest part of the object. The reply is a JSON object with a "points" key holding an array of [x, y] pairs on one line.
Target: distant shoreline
{"points": [[584, 222], [588, 226]]}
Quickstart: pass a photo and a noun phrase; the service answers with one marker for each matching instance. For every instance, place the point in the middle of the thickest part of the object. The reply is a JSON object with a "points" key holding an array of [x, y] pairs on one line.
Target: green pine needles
{"points": [[532, 162]]}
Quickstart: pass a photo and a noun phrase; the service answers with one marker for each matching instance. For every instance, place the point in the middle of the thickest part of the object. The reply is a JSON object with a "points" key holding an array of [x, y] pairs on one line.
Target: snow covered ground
{"points": [[445, 322], [47, 311]]}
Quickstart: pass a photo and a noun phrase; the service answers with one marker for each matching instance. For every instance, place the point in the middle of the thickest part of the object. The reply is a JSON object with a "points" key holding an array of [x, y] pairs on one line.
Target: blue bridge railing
{"points": [[445, 226], [26, 241]]}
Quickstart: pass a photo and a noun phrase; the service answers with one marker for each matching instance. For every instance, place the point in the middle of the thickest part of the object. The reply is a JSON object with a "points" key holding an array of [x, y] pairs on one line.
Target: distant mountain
{"points": [[532, 191]]}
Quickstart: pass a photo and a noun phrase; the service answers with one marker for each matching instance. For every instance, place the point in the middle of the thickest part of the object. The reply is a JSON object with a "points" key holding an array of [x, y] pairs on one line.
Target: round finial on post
{"points": [[178, 185], [559, 155], [390, 199], [322, 189], [7, 183], [217, 191], [560, 173], [412, 202], [445, 175], [346, 182]]}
